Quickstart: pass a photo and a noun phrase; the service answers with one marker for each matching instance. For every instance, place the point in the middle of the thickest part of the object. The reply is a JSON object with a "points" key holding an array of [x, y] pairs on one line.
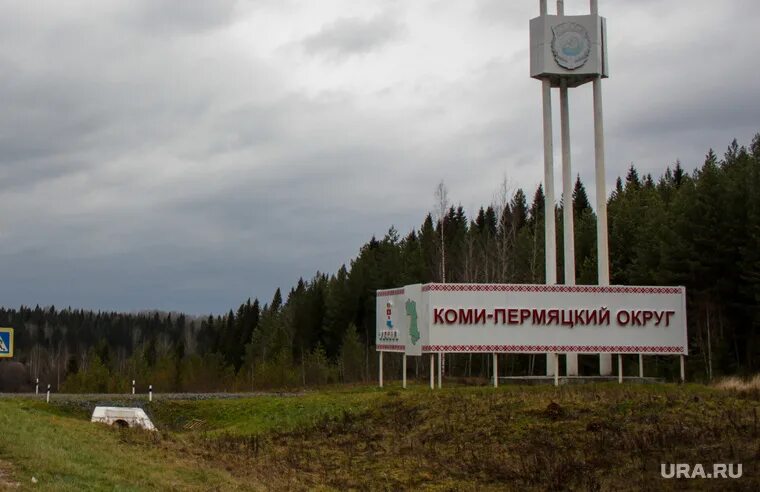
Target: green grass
{"points": [[255, 416], [586, 437], [65, 453]]}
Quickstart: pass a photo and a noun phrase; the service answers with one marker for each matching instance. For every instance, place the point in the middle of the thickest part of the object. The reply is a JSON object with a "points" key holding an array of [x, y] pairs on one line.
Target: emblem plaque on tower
{"points": [[571, 45], [569, 48]]}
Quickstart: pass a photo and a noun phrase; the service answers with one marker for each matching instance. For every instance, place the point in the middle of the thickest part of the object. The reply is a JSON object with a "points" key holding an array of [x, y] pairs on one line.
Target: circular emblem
{"points": [[571, 45]]}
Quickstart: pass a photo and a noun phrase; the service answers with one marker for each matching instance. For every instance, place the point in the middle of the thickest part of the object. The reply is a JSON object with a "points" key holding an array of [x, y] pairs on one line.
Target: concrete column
{"points": [[551, 364], [620, 368], [571, 360], [440, 370], [556, 373], [683, 369], [432, 371], [495, 370], [550, 234], [641, 366], [403, 372], [602, 246], [380, 371]]}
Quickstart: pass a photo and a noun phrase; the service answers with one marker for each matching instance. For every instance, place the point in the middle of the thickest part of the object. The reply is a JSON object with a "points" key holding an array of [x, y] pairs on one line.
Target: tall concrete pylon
{"points": [[566, 52]]}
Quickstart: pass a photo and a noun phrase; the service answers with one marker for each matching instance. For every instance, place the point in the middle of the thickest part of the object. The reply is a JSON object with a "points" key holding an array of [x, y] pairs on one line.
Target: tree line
{"points": [[699, 229]]}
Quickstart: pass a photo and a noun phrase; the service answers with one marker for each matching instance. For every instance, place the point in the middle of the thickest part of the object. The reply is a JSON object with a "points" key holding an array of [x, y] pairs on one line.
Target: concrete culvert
{"points": [[123, 417]]}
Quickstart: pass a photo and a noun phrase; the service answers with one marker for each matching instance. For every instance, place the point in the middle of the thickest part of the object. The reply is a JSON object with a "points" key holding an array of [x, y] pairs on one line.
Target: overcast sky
{"points": [[185, 155]]}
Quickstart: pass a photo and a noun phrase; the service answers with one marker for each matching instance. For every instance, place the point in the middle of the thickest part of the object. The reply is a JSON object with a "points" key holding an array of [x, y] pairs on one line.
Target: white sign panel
{"points": [[522, 318], [402, 315]]}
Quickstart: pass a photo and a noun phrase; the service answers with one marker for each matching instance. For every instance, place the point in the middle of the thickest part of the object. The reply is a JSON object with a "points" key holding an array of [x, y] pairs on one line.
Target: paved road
{"points": [[144, 396]]}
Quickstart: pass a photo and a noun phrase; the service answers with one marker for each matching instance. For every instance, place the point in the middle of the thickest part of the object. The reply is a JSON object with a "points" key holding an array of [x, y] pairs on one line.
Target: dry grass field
{"points": [[584, 437]]}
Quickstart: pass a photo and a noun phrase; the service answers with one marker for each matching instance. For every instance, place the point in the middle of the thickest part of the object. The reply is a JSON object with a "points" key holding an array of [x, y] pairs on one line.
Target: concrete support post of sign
{"points": [[432, 371], [683, 369], [150, 392], [620, 368], [380, 369], [602, 246], [495, 370], [568, 228], [37, 387], [403, 371], [550, 235], [47, 399], [440, 370], [641, 366], [556, 372]]}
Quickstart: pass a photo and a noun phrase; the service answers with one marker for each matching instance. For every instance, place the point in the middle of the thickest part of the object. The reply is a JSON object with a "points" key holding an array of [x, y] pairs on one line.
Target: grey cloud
{"points": [[171, 16], [354, 36], [143, 171]]}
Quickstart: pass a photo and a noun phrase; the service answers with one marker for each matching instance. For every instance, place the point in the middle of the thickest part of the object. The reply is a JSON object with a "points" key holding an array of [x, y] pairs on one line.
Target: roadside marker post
{"points": [[150, 392], [133, 386], [37, 386], [47, 400]]}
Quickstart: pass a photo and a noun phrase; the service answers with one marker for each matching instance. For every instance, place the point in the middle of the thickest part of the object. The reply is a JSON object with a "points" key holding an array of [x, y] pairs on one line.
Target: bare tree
{"points": [[442, 204], [501, 200]]}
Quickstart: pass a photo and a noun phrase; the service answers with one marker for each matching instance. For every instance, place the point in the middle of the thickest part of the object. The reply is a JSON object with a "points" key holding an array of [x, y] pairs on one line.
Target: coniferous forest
{"points": [[697, 228]]}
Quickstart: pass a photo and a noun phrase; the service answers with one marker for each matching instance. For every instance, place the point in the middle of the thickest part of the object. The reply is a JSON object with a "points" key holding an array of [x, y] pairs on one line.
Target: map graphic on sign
{"points": [[411, 311], [6, 342]]}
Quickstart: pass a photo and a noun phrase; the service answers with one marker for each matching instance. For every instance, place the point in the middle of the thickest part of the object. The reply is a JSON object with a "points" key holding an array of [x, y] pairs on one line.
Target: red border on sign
{"points": [[592, 349], [392, 292], [391, 348], [612, 289]]}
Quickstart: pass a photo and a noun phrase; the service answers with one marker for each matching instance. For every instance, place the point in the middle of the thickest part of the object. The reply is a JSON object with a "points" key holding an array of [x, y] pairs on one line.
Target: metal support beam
{"points": [[683, 369], [641, 366]]}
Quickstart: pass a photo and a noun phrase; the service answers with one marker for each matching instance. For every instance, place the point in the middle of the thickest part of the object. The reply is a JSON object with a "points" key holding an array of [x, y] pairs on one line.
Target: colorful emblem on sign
{"points": [[6, 342], [388, 315], [411, 311], [571, 45]]}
